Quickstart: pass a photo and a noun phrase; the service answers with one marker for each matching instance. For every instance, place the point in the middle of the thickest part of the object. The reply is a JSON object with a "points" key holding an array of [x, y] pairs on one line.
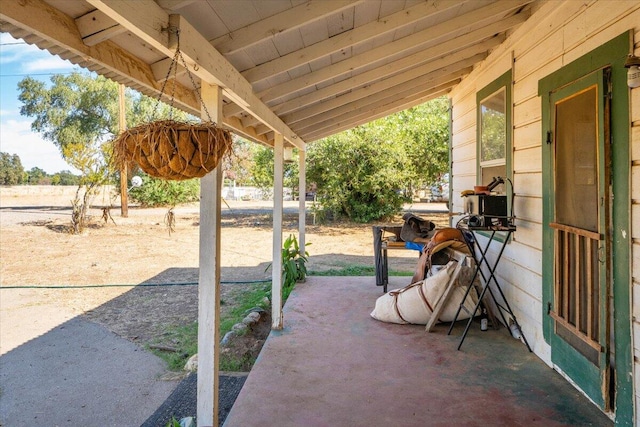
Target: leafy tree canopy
{"points": [[368, 172], [262, 169], [11, 170], [365, 173], [37, 176], [78, 113]]}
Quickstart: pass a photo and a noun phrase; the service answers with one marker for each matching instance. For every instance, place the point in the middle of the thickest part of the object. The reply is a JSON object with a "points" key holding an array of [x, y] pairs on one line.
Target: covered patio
{"points": [[334, 365], [286, 73]]}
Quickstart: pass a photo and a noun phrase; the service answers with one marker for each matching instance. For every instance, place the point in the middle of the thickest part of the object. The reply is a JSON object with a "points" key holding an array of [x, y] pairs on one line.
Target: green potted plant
{"points": [[294, 267]]}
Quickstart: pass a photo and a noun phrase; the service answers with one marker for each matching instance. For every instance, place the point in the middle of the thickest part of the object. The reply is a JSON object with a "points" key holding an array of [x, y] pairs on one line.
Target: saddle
{"points": [[416, 229], [441, 239]]}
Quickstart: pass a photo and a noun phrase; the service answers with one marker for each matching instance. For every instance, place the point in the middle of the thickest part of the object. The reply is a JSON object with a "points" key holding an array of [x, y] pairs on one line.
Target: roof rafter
{"points": [[437, 78], [150, 22], [382, 111], [436, 32], [290, 19], [408, 63], [360, 110], [348, 38]]}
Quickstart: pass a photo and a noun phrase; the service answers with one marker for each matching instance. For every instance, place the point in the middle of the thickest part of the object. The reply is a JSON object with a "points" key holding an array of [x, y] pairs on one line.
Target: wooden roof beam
{"points": [[150, 22], [436, 33], [371, 76], [96, 27], [383, 111], [434, 79], [290, 19], [348, 38]]}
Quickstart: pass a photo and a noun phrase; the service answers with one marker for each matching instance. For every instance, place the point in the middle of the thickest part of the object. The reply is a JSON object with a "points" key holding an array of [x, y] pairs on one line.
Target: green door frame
{"points": [[611, 54]]}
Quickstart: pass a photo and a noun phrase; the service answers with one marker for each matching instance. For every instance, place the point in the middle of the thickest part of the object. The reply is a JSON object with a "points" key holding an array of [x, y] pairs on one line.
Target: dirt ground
{"points": [[100, 268]]}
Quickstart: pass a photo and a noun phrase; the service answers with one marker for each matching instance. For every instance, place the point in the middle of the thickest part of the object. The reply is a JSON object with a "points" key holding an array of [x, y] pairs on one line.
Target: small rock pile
{"points": [[244, 341]]}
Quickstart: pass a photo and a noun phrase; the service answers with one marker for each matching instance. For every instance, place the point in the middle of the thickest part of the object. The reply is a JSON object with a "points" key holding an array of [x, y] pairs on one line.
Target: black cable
{"points": [[129, 285]]}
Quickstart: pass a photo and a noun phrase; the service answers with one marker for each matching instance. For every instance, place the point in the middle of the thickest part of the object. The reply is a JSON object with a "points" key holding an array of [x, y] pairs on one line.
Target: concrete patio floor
{"points": [[333, 365]]}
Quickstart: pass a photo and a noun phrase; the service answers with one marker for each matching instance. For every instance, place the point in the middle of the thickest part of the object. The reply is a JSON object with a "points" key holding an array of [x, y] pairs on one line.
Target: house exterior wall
{"points": [[555, 35]]}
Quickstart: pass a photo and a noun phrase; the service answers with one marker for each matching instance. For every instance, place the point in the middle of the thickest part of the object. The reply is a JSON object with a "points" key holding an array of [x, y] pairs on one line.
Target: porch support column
{"points": [[302, 196], [209, 277], [276, 266], [122, 126]]}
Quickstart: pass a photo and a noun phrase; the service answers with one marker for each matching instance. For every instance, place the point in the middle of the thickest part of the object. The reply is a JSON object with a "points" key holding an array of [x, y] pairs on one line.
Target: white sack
{"points": [[409, 302]]}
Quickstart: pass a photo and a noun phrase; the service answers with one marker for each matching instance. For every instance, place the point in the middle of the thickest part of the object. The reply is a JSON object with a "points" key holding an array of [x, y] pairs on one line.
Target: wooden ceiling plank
{"points": [[348, 38], [455, 69], [146, 20], [382, 111], [421, 83], [290, 19], [171, 5], [449, 65], [377, 74], [107, 58], [96, 27], [438, 30], [393, 48]]}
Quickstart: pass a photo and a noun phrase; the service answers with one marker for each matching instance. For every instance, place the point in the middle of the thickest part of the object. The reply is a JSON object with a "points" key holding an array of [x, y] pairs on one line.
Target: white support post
{"points": [[302, 186], [209, 278], [276, 266]]}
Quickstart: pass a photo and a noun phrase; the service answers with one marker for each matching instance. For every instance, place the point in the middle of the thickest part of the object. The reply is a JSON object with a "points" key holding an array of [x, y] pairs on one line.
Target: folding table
{"points": [[480, 261]]}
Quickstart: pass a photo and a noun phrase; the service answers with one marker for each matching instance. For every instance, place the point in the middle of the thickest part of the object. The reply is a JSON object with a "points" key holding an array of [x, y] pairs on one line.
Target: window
{"points": [[494, 132]]}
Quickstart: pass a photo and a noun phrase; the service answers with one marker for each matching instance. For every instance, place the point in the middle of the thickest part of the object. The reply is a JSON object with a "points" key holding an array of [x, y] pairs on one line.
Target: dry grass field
{"points": [[48, 276]]}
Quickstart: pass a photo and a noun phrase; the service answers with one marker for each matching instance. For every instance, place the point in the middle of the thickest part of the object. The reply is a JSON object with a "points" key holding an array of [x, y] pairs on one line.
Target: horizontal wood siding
{"points": [[556, 34]]}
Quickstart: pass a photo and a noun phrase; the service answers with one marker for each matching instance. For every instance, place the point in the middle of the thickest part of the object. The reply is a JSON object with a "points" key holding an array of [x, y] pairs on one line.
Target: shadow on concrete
{"points": [[79, 373]]}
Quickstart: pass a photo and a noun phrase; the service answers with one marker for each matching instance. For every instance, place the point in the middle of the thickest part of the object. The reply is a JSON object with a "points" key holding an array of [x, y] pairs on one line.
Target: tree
{"points": [[64, 178], [262, 170], [79, 114], [358, 175], [239, 163], [424, 132], [11, 170], [37, 176], [368, 172]]}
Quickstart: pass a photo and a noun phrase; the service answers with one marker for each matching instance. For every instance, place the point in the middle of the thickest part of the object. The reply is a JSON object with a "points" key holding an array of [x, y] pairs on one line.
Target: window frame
{"points": [[502, 82]]}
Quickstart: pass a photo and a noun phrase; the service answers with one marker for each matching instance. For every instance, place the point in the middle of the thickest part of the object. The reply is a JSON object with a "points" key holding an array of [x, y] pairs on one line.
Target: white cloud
{"points": [[50, 64], [16, 137], [29, 58]]}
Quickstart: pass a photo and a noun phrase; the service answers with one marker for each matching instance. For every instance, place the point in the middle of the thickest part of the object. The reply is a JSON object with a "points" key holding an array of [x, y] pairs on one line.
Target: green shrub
{"points": [[160, 192]]}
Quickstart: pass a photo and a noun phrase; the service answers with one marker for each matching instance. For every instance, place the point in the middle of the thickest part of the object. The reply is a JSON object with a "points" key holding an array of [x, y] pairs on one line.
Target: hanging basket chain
{"points": [[195, 88], [171, 149], [173, 67]]}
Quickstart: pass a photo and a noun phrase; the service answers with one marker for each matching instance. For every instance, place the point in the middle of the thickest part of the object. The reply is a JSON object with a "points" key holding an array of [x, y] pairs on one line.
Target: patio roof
{"points": [[303, 68], [333, 365]]}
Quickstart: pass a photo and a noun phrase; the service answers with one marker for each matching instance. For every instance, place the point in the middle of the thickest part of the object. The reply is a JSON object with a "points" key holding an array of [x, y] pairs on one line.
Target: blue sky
{"points": [[18, 60]]}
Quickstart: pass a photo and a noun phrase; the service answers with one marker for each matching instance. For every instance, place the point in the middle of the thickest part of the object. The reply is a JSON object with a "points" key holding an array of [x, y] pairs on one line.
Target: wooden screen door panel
{"points": [[580, 339]]}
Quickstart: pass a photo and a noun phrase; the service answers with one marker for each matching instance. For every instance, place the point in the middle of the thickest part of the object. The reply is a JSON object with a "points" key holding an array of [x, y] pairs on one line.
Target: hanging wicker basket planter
{"points": [[173, 150]]}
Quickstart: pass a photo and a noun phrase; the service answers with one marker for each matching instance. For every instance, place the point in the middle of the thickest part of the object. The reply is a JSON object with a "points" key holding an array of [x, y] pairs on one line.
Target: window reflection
{"points": [[493, 132]]}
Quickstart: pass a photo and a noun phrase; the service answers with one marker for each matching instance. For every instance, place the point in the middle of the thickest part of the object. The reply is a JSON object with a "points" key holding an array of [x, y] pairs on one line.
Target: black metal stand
{"points": [[380, 253], [483, 260]]}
